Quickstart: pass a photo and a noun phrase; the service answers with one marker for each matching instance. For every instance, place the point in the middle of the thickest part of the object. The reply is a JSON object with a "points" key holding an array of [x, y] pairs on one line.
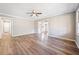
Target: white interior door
{"points": [[7, 26]]}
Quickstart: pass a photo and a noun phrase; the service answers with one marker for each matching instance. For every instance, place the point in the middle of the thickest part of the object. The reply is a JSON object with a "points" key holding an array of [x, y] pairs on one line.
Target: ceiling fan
{"points": [[34, 13]]}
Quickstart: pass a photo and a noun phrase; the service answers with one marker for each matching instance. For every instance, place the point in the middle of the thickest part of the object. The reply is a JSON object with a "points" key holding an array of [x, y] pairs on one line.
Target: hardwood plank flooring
{"points": [[33, 45]]}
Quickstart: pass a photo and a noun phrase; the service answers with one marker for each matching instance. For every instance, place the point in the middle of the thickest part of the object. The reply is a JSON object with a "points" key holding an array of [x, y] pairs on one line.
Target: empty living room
{"points": [[39, 29]]}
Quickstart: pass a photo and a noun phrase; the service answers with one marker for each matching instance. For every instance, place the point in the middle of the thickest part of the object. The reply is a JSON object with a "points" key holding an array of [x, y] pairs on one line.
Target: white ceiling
{"points": [[20, 10]]}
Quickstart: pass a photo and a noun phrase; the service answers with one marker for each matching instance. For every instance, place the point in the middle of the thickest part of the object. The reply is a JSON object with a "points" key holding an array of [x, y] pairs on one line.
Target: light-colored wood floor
{"points": [[5, 43], [32, 45]]}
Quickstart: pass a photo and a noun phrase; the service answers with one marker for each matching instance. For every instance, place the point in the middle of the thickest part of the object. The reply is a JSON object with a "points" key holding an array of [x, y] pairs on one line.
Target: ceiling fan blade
{"points": [[39, 13], [31, 15], [29, 12]]}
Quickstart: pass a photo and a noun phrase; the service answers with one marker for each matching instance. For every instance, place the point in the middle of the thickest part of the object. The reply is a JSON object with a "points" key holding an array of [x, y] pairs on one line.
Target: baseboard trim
{"points": [[63, 38], [23, 34], [77, 44], [77, 41]]}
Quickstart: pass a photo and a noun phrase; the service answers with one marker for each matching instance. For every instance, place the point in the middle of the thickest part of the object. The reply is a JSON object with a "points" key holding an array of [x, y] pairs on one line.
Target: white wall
{"points": [[36, 26], [62, 26], [77, 29], [1, 28], [77, 23], [19, 27], [22, 27], [59, 26]]}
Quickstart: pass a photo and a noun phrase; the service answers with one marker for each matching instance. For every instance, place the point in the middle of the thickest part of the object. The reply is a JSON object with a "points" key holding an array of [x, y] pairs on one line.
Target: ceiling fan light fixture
{"points": [[35, 13]]}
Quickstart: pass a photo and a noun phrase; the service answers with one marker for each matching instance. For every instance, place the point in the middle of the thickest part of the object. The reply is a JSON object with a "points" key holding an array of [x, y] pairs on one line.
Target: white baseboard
{"points": [[77, 41], [22, 34], [77, 44], [60, 37]]}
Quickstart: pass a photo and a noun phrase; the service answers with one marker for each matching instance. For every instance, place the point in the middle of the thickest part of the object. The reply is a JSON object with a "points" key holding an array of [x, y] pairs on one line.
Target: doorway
{"points": [[6, 27], [43, 29]]}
